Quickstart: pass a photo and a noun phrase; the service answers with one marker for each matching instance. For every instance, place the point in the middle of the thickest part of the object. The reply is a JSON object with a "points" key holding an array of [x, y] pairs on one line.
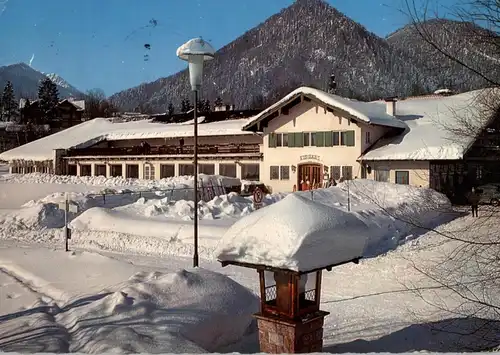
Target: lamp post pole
{"points": [[195, 254], [195, 51]]}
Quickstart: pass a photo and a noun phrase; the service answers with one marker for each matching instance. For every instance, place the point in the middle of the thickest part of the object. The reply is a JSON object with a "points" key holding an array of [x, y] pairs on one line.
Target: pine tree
{"points": [[183, 106], [170, 109], [206, 106], [201, 105], [48, 97], [9, 105], [218, 102]]}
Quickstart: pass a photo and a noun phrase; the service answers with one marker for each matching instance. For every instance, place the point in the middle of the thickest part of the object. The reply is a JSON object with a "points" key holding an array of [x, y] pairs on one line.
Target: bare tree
{"points": [[93, 102]]}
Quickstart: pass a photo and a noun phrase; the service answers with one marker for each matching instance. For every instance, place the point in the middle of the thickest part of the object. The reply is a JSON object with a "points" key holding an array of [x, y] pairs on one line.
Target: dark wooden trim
{"points": [[225, 263], [262, 279], [318, 287]]}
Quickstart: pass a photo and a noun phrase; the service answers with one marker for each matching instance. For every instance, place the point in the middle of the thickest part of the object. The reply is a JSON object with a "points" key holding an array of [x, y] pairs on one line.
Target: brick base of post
{"points": [[278, 336]]}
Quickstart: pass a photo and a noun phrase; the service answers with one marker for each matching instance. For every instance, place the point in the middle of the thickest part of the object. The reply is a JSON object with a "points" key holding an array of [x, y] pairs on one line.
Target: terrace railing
{"points": [[165, 150]]}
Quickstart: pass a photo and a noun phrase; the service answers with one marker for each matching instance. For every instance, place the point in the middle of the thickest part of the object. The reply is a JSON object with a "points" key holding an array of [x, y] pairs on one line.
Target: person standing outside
{"points": [[474, 198]]}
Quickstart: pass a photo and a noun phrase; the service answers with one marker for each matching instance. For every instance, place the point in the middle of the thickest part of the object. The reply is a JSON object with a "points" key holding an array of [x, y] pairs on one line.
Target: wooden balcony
{"points": [[227, 149]]}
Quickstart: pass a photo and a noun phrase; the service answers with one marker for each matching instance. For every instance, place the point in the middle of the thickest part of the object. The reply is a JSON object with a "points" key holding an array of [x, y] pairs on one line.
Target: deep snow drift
{"points": [[191, 310], [160, 222]]}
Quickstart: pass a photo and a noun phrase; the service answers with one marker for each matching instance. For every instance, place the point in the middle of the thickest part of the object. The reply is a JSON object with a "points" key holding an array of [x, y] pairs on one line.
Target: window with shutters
{"points": [[313, 139], [328, 139], [167, 170], [207, 169], [298, 139], [347, 172], [347, 138], [291, 140], [335, 172], [307, 139], [368, 137], [274, 173], [403, 177], [149, 172], [381, 175], [228, 170], [279, 140], [284, 172], [272, 140], [336, 138], [284, 139], [320, 139]]}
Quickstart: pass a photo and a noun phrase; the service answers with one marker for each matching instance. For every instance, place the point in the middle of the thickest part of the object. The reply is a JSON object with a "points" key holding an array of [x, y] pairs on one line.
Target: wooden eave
{"points": [[284, 107], [260, 267]]}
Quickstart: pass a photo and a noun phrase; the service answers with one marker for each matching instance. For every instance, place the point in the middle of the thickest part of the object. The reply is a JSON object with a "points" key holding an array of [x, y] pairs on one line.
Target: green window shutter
{"points": [[328, 139], [336, 138], [299, 139], [272, 140], [291, 140], [320, 139], [350, 142]]}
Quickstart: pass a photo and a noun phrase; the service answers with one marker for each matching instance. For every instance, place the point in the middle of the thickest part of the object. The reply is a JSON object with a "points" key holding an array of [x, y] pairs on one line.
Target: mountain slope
{"points": [[25, 80], [303, 45], [461, 40]]}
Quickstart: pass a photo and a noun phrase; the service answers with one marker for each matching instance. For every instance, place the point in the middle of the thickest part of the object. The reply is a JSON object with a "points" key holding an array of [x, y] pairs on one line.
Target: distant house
{"points": [[304, 140], [69, 113]]}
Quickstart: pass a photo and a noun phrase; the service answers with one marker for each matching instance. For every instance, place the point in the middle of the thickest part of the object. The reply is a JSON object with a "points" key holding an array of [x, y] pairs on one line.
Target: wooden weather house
{"points": [[290, 319], [290, 254]]}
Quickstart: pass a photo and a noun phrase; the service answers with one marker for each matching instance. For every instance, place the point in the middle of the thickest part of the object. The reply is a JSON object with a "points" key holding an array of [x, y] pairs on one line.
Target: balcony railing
{"points": [[166, 150]]}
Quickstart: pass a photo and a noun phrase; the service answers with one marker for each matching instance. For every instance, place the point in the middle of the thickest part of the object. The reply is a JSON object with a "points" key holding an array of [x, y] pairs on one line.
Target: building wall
{"points": [[308, 116], [418, 171]]}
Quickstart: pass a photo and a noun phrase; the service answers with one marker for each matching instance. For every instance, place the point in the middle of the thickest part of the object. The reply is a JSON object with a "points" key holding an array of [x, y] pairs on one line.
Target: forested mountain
{"points": [[303, 45]]}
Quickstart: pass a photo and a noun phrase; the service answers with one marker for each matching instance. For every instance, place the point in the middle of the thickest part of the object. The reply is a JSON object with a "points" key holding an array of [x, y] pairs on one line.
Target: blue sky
{"points": [[86, 42]]}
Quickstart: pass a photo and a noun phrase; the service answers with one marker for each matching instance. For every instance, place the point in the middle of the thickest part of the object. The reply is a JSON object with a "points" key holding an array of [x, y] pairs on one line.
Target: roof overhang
{"points": [[262, 120]]}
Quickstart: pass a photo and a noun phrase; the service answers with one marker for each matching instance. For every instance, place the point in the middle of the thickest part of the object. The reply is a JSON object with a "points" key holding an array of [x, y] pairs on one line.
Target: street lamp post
{"points": [[195, 51]]}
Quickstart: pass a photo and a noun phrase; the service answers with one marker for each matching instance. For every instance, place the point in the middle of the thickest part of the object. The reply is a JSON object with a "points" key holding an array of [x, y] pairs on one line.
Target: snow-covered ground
{"points": [[127, 285]]}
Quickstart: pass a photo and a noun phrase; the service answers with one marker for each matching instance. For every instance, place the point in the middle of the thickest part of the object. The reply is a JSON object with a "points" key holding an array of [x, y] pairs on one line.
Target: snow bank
{"points": [[300, 234], [178, 182], [296, 234], [192, 310]]}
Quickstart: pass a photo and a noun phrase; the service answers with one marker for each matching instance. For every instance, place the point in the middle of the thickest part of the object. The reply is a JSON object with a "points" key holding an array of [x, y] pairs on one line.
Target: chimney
{"points": [[390, 106]]}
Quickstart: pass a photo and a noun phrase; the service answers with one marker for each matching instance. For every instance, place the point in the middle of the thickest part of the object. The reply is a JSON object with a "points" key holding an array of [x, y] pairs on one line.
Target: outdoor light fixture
{"points": [[196, 51]]}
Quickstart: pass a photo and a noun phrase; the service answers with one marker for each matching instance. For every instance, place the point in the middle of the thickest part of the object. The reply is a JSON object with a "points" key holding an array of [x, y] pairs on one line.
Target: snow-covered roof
{"points": [[296, 234], [91, 132], [367, 112], [430, 121]]}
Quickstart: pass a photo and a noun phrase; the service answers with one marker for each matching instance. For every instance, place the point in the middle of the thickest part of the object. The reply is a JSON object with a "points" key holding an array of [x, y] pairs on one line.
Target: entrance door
{"points": [[309, 176]]}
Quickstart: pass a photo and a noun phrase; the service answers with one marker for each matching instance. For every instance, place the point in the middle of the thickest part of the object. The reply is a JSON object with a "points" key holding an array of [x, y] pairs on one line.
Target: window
{"points": [[403, 177], [167, 171], [100, 170], [208, 169], [319, 139], [272, 140], [116, 170], [285, 172], [381, 175], [313, 139], [307, 139], [186, 169], [347, 138], [228, 170], [347, 172], [284, 139], [279, 140], [132, 171], [149, 171], [250, 172], [336, 138], [328, 139], [335, 172], [85, 170], [71, 170], [368, 138], [275, 173]]}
